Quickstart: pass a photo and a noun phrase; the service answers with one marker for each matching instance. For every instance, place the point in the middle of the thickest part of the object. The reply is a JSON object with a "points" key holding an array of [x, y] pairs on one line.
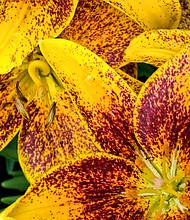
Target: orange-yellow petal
{"points": [[99, 186], [162, 121], [156, 46], [10, 118], [152, 14], [103, 97], [42, 146], [103, 29], [24, 23], [10, 123], [132, 82]]}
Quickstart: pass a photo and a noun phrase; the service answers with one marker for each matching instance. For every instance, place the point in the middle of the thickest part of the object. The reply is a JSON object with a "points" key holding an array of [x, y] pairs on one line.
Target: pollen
{"points": [[165, 186]]}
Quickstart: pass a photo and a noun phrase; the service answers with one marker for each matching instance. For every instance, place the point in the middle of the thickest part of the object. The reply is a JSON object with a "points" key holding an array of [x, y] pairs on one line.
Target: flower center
{"points": [[36, 80], [164, 186]]}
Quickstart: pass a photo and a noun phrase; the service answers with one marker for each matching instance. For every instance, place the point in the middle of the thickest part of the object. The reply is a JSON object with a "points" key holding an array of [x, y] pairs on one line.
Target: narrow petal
{"points": [[42, 147], [132, 82], [162, 121], [10, 118], [152, 14], [10, 123], [157, 46], [24, 23], [94, 187], [103, 29], [103, 97], [77, 138]]}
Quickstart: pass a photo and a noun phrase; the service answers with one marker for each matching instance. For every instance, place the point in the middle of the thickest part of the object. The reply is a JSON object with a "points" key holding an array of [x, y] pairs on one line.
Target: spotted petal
{"points": [[10, 118], [162, 111], [94, 187], [157, 46], [103, 29], [42, 146], [152, 14], [24, 23], [103, 97], [132, 82]]}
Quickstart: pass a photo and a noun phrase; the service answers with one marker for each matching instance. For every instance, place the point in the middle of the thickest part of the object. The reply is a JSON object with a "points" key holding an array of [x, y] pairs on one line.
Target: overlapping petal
{"points": [[10, 123], [162, 111], [156, 46], [153, 14], [103, 97], [10, 118], [103, 29], [24, 23], [132, 82], [96, 186], [41, 146]]}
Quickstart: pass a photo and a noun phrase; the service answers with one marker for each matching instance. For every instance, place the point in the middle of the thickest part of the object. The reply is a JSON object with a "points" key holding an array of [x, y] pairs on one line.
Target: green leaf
{"points": [[10, 151], [17, 183], [9, 165], [145, 71], [9, 200]]}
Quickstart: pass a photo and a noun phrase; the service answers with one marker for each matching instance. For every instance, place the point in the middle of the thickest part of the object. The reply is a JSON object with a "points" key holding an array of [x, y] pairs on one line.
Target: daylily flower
{"points": [[34, 101], [149, 178]]}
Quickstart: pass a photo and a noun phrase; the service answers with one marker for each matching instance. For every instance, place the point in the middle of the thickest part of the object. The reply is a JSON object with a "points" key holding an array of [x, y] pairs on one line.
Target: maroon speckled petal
{"points": [[10, 118], [105, 100], [95, 187], [162, 112], [67, 136], [103, 29], [24, 22]]}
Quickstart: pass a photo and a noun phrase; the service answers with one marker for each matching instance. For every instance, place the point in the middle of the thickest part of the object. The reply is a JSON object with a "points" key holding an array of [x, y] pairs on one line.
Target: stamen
{"points": [[180, 206], [19, 93], [174, 164], [161, 205], [149, 192], [169, 190], [178, 177], [150, 166], [51, 115], [21, 108], [164, 175]]}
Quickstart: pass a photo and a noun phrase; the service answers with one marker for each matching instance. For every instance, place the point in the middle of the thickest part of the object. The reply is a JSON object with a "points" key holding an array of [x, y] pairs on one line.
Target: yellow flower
{"points": [[33, 99], [24, 23], [149, 175], [107, 27]]}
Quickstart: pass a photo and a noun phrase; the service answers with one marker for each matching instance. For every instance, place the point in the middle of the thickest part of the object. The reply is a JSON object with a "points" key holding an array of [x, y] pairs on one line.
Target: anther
{"points": [[20, 94], [51, 115], [21, 108]]}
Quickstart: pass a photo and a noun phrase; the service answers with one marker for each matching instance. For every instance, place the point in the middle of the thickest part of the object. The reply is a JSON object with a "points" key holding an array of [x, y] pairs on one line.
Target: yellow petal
{"points": [[103, 97], [161, 116], [132, 82], [102, 29], [41, 146], [157, 46], [24, 23], [152, 14], [10, 118], [98, 186]]}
